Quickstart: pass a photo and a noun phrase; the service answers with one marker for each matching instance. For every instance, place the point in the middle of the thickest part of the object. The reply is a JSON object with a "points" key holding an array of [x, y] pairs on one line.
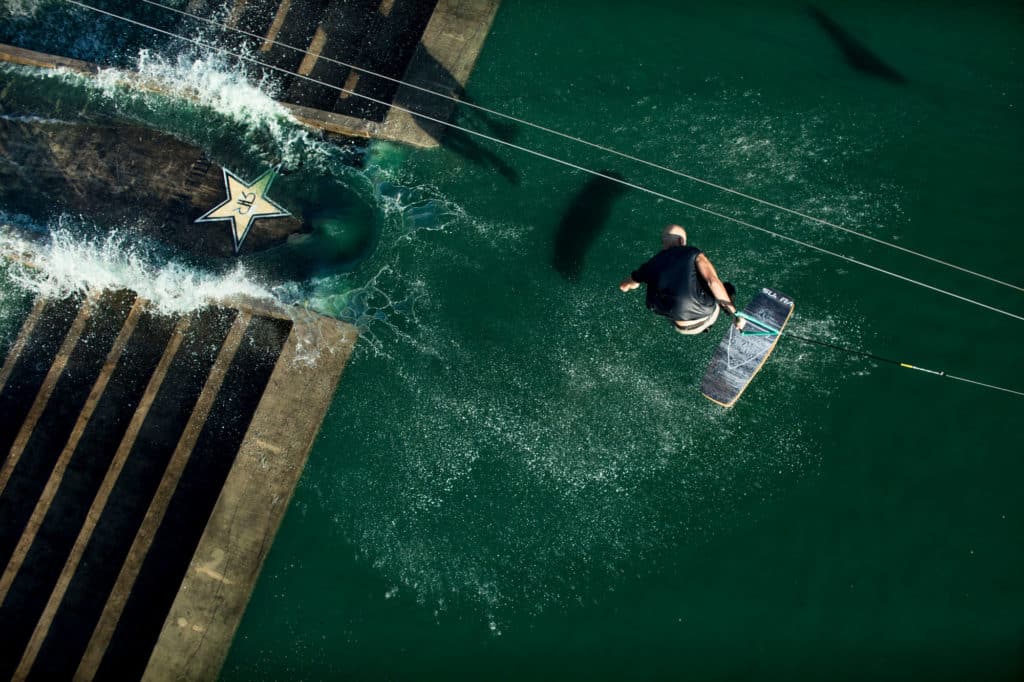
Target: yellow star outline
{"points": [[245, 203]]}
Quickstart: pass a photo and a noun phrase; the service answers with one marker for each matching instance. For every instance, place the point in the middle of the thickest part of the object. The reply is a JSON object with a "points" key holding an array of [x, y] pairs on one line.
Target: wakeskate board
{"points": [[741, 354]]}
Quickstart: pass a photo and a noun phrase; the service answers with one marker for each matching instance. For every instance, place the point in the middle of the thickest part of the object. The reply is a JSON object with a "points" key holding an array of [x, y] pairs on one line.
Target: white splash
{"points": [[212, 82], [208, 79], [22, 8], [31, 119], [68, 264]]}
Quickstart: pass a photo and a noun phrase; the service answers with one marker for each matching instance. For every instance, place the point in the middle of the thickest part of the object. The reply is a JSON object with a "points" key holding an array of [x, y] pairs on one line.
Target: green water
{"points": [[518, 477]]}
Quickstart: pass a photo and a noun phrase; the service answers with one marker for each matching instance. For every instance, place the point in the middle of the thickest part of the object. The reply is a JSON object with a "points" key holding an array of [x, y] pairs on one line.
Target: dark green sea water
{"points": [[519, 479]]}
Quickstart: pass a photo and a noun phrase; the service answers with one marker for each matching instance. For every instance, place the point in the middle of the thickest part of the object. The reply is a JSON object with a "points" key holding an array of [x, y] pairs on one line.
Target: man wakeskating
{"points": [[683, 285]]}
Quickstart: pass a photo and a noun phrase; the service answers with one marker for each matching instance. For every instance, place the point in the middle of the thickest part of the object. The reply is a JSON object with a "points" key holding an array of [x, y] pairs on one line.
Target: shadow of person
{"points": [[432, 75], [583, 221], [466, 146], [857, 55], [498, 127]]}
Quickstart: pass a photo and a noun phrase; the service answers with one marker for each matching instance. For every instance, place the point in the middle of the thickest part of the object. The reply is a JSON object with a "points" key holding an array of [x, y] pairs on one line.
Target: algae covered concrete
{"points": [[144, 181]]}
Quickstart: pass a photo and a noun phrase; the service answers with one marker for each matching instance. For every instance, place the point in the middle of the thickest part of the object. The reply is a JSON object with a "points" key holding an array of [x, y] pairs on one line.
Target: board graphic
{"points": [[246, 201], [741, 354]]}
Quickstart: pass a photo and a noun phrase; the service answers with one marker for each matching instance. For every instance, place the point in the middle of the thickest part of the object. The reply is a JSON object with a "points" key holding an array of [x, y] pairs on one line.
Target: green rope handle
{"points": [[768, 329]]}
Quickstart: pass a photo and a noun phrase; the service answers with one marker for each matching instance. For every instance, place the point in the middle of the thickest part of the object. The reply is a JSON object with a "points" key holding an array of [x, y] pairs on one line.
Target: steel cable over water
{"points": [[906, 365], [768, 330], [554, 159], [594, 145], [590, 171]]}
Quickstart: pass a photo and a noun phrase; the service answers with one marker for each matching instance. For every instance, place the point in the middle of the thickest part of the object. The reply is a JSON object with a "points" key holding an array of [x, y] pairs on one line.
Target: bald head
{"points": [[673, 235]]}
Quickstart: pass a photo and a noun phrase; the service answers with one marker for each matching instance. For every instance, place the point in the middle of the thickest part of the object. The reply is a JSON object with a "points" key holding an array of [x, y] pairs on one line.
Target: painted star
{"points": [[245, 203]]}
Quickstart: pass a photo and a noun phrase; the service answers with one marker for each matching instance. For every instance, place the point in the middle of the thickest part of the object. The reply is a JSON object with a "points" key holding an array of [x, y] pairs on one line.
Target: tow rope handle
{"points": [[768, 330]]}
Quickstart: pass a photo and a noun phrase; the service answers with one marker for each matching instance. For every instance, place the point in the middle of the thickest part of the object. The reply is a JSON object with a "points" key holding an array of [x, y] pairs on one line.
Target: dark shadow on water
{"points": [[466, 146], [583, 221], [340, 232], [430, 74], [857, 55]]}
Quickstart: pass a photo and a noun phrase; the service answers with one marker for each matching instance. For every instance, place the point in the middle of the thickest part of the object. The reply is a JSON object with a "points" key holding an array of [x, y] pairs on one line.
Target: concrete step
{"points": [[146, 477]]}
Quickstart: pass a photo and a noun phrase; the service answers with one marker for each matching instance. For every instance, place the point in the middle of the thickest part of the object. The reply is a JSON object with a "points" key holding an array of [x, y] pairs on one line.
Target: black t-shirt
{"points": [[674, 287]]}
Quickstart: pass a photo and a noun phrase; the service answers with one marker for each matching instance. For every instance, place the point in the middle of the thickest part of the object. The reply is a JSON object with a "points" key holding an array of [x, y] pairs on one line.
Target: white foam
{"points": [[31, 119], [22, 8], [67, 263], [209, 80]]}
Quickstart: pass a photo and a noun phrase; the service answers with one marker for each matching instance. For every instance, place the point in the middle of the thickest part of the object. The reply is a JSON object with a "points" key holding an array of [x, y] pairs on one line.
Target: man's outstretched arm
{"points": [[635, 279], [710, 275]]}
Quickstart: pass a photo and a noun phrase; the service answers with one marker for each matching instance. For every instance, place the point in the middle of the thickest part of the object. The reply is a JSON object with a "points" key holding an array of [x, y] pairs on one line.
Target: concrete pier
{"points": [[432, 44], [147, 461]]}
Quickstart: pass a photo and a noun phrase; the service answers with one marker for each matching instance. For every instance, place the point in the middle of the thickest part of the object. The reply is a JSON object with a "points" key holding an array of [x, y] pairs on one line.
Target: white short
{"points": [[696, 326]]}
